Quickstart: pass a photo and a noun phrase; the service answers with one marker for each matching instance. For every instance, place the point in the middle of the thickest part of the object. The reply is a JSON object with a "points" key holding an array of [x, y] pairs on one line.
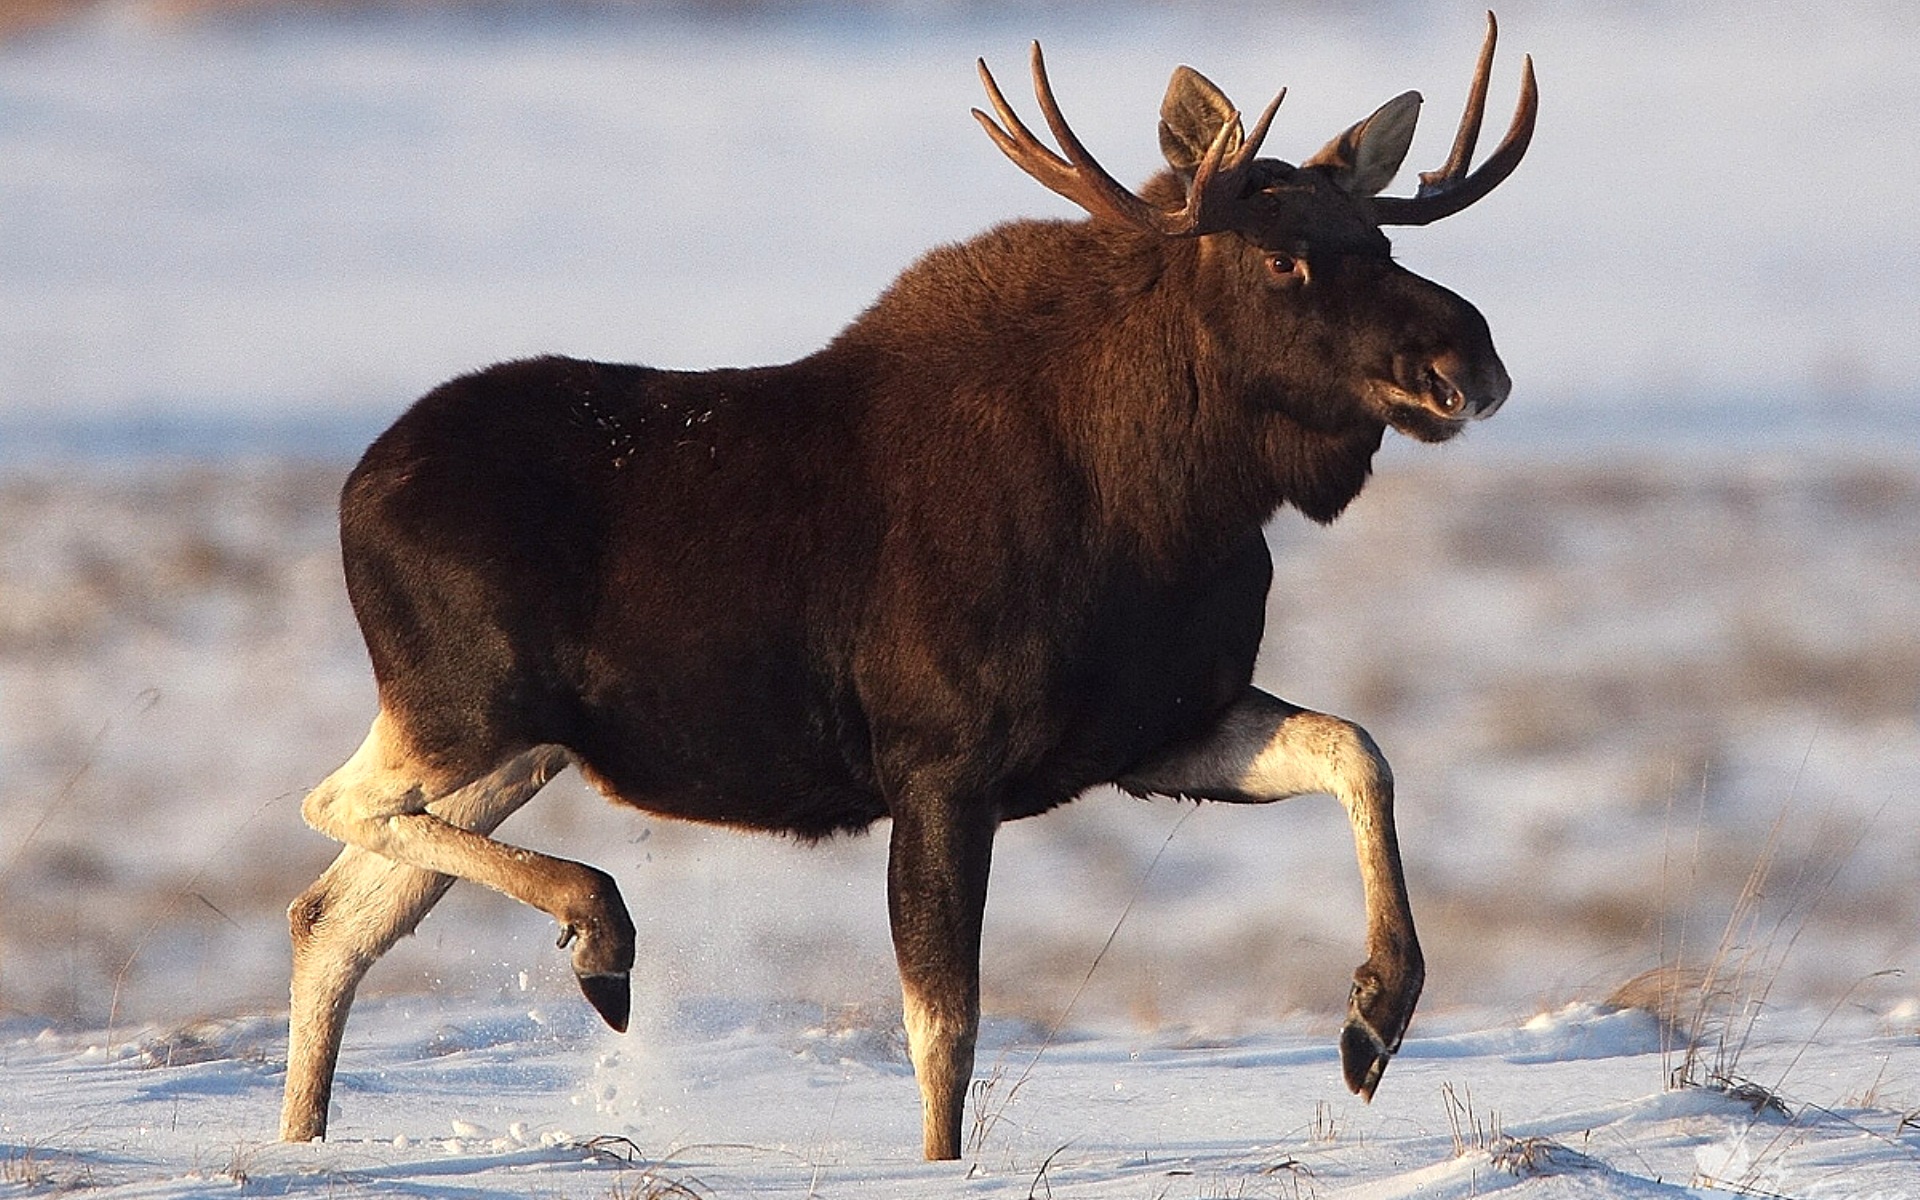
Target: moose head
{"points": [[1305, 287]]}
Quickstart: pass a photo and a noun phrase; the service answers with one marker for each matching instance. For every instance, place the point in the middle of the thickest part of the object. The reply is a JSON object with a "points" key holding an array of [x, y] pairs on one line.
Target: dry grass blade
{"points": [[1040, 1182], [986, 1115], [1469, 1132], [1709, 1015]]}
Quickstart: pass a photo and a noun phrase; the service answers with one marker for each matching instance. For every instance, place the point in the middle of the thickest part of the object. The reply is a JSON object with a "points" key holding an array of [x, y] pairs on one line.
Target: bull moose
{"points": [[998, 543]]}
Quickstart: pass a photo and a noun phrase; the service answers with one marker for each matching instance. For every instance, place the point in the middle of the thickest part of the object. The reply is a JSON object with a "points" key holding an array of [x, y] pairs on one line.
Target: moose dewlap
{"points": [[998, 543]]}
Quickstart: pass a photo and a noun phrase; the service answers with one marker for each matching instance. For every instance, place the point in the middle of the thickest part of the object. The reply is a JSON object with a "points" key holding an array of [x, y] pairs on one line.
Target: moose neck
{"points": [[1096, 339], [1228, 447]]}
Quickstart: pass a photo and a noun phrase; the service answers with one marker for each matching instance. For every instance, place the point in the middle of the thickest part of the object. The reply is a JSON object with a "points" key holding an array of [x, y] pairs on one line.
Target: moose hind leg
{"points": [[383, 884], [341, 925], [377, 802], [354, 913], [1265, 749]]}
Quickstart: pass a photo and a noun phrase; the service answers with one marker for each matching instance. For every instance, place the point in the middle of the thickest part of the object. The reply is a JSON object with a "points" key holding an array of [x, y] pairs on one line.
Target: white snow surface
{"points": [[521, 1094], [1668, 719]]}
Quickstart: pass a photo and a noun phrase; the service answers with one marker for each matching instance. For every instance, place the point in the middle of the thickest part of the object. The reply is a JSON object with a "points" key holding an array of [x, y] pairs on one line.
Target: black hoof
{"points": [[611, 997], [1363, 1059]]}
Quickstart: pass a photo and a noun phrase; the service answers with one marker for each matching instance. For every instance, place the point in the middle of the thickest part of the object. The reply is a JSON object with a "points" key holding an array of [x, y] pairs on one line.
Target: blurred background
{"points": [[1654, 629]]}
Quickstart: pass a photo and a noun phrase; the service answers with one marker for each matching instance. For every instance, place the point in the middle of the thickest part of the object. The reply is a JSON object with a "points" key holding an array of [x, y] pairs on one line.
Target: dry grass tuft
{"points": [[38, 1169], [648, 1183], [650, 1186], [1530, 1157], [1470, 1132], [1670, 994]]}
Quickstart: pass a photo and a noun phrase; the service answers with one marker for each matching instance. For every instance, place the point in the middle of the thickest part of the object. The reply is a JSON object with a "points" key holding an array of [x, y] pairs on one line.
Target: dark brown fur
{"points": [[964, 534]]}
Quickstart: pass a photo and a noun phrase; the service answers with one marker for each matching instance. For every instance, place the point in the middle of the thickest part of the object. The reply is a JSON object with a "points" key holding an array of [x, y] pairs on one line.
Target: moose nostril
{"points": [[1436, 382], [1446, 397]]}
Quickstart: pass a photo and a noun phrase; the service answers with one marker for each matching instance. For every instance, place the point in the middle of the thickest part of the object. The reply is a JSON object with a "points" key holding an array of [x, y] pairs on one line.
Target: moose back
{"points": [[998, 543]]}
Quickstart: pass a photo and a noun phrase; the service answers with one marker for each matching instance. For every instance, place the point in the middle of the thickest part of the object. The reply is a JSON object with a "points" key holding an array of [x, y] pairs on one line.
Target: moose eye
{"points": [[1286, 268]]}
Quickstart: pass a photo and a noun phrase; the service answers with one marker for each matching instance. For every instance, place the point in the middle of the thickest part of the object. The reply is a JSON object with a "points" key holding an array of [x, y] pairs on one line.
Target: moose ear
{"points": [[1191, 117], [1364, 159]]}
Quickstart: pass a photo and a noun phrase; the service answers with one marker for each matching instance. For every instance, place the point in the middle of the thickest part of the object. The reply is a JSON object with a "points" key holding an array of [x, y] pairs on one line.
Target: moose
{"points": [[998, 543]]}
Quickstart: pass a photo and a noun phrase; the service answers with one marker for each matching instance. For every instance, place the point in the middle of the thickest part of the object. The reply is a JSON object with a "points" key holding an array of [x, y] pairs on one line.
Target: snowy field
{"points": [[457, 1099], [1675, 674], [1642, 650]]}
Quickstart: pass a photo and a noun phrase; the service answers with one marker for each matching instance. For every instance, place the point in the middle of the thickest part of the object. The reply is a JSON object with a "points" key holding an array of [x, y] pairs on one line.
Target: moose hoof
{"points": [[611, 996], [1363, 1059]]}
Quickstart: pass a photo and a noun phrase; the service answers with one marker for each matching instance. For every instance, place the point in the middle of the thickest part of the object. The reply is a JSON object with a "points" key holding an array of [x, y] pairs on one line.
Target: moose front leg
{"points": [[1264, 749], [937, 867]]}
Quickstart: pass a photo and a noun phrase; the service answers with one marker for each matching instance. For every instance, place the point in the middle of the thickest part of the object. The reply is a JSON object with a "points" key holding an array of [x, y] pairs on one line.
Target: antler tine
{"points": [[1251, 146], [1096, 184], [1218, 178], [1078, 177], [1468, 134], [1016, 141], [1212, 183], [1451, 188]]}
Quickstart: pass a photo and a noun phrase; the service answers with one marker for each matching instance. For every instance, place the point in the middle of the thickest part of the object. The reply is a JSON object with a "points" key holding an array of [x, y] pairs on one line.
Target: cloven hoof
{"points": [[611, 995]]}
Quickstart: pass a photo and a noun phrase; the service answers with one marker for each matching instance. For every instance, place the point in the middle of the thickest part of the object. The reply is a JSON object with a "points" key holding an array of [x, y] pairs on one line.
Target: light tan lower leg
{"points": [[377, 801], [1264, 749], [355, 912], [941, 1047]]}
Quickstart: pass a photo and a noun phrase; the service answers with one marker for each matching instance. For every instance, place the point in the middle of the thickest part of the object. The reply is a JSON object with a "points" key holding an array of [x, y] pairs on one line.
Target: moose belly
{"points": [[762, 752]]}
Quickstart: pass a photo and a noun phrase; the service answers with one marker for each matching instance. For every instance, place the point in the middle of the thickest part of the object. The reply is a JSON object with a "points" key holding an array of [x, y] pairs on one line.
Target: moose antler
{"points": [[1451, 188], [1218, 180]]}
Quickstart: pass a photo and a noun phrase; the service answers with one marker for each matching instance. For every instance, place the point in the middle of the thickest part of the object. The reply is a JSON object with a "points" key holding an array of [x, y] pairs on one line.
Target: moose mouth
{"points": [[1435, 414], [1432, 398]]}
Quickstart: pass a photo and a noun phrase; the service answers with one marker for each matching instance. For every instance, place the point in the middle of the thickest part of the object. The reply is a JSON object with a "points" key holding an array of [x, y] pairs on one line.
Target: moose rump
{"points": [[606, 558]]}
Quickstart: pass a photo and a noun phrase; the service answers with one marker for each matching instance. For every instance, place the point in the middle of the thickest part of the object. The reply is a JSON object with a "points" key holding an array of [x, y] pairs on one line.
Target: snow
{"points": [[1649, 631], [177, 664], [523, 1093]]}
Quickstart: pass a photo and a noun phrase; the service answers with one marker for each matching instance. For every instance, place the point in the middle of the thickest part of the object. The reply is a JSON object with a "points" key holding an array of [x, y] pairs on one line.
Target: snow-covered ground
{"points": [[1610, 695], [1650, 630], [450, 1098]]}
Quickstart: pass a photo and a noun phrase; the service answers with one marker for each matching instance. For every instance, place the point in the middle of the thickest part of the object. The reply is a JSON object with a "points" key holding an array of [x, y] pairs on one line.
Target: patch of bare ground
{"points": [[25, 16], [22, 17]]}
